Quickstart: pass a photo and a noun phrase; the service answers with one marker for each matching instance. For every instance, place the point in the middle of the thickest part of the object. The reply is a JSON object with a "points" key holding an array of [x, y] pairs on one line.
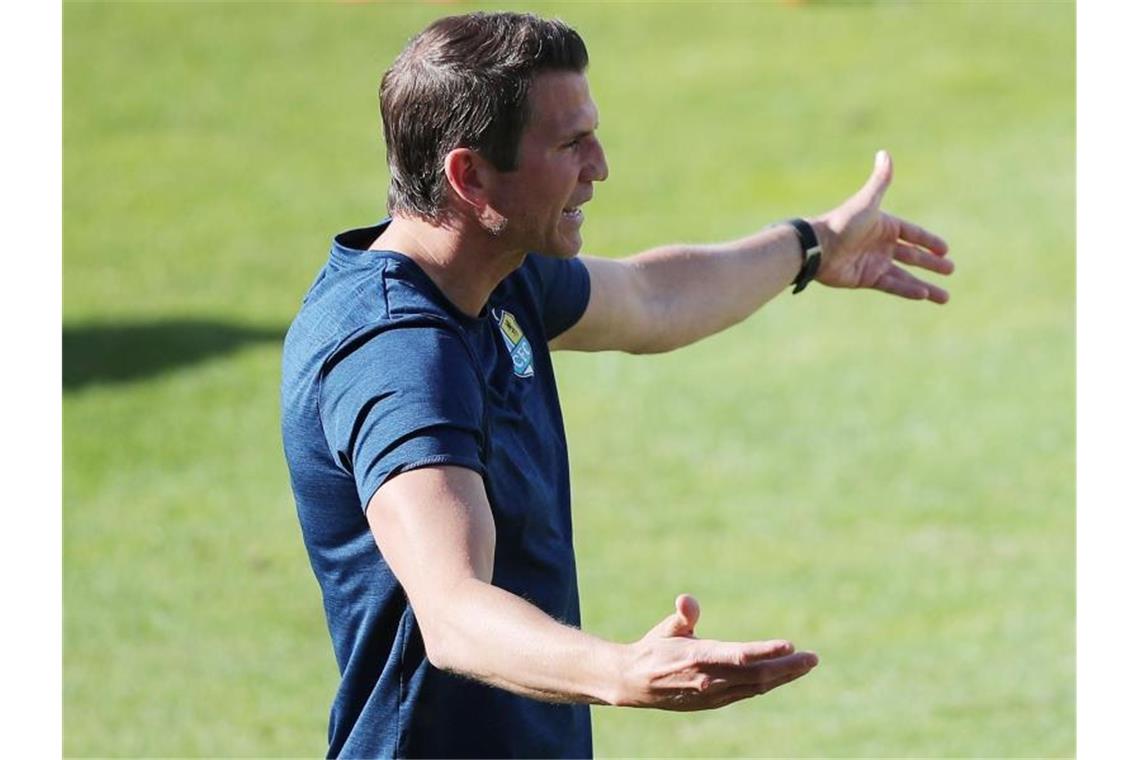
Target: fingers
{"points": [[788, 677], [747, 691], [920, 257], [876, 186], [767, 671], [910, 232], [710, 674], [901, 283], [919, 248], [734, 654], [763, 676]]}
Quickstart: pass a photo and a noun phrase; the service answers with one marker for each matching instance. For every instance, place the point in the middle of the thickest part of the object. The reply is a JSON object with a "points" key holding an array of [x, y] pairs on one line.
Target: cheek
{"points": [[540, 189], [556, 174]]}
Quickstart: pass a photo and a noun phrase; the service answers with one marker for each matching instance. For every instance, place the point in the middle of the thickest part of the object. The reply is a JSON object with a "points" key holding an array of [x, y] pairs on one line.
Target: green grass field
{"points": [[890, 484]]}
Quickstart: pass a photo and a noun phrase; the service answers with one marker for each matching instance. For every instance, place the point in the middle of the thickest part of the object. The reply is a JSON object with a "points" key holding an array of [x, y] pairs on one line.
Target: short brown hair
{"points": [[463, 82]]}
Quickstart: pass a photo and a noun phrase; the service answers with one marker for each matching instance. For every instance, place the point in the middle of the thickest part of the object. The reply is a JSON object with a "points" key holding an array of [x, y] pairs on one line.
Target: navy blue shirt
{"points": [[381, 375]]}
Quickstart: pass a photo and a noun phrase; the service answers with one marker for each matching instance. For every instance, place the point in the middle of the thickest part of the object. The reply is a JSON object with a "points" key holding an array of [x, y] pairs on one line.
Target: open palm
{"points": [[862, 245]]}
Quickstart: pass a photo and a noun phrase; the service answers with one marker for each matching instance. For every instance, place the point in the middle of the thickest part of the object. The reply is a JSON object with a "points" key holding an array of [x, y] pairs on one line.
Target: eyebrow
{"points": [[578, 135]]}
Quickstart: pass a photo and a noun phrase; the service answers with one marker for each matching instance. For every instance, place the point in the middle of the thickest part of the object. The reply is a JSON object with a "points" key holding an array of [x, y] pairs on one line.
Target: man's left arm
{"points": [[674, 295]]}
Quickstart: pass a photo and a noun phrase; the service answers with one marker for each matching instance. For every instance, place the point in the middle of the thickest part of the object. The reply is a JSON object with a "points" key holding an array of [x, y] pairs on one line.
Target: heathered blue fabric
{"points": [[382, 374]]}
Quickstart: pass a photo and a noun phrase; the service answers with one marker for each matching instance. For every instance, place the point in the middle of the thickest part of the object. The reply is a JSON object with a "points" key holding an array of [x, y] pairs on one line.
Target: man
{"points": [[421, 419]]}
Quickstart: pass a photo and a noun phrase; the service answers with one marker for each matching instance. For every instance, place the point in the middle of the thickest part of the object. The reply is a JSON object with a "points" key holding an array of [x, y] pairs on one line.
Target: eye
{"points": [[574, 144]]}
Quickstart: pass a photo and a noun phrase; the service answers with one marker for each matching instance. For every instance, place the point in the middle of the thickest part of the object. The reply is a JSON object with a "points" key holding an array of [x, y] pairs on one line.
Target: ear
{"points": [[461, 166], [470, 175]]}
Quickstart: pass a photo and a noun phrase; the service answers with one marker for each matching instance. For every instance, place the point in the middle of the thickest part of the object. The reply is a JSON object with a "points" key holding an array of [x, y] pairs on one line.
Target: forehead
{"points": [[560, 102]]}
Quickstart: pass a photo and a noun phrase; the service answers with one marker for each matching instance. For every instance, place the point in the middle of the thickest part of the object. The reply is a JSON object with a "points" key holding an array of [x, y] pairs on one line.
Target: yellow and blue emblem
{"points": [[522, 357]]}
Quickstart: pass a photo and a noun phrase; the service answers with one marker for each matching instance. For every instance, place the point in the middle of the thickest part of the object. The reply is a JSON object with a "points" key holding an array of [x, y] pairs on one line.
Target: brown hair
{"points": [[463, 82]]}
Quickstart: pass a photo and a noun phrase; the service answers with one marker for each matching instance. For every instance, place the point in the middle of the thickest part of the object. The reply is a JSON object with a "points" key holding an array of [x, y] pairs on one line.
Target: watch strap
{"points": [[812, 253]]}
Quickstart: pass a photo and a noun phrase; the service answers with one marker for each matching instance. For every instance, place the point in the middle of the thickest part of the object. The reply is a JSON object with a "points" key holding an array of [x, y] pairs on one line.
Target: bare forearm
{"points": [[436, 531], [496, 637], [694, 291]]}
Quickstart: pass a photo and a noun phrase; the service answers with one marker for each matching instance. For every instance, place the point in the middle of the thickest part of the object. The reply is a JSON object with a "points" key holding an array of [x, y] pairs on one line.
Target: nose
{"points": [[596, 169]]}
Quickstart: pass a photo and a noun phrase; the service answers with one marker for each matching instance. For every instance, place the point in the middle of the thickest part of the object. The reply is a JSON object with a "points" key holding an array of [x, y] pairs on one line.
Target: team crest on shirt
{"points": [[521, 355]]}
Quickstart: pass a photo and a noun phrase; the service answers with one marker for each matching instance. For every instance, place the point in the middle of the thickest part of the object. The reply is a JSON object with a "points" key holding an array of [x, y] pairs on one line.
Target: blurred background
{"points": [[888, 483]]}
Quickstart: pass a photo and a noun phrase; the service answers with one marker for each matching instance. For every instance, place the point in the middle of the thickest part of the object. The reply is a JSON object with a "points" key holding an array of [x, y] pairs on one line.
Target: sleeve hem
{"points": [[418, 464], [586, 290]]}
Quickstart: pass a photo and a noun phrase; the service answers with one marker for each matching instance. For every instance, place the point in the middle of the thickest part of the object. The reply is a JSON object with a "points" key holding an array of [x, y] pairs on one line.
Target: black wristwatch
{"points": [[812, 251]]}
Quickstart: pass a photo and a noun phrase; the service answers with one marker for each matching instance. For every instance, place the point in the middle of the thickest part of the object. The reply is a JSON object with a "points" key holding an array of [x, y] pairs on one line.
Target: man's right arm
{"points": [[435, 529]]}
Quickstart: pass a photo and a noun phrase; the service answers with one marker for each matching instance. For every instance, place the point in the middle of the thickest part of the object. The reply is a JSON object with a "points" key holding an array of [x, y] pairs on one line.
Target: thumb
{"points": [[880, 179], [682, 622]]}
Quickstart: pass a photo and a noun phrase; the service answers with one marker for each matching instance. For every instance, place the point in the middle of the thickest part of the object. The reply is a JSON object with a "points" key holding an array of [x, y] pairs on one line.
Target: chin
{"points": [[569, 247], [565, 252], [559, 249]]}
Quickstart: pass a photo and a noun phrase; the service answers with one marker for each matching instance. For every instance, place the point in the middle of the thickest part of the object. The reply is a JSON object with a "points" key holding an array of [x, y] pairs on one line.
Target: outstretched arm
{"points": [[435, 529], [674, 295]]}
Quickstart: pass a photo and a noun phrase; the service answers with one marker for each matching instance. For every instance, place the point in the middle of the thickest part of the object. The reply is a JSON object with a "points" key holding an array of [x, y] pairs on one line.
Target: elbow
{"points": [[439, 648], [444, 622], [653, 335], [646, 348], [656, 336], [642, 325], [447, 641], [661, 323], [436, 652]]}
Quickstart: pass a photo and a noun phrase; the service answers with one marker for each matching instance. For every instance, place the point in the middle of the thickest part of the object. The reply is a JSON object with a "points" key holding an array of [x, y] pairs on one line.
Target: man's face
{"points": [[559, 160]]}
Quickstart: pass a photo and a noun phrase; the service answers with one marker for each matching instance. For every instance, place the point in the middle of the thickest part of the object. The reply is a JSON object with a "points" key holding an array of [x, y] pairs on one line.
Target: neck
{"points": [[463, 260]]}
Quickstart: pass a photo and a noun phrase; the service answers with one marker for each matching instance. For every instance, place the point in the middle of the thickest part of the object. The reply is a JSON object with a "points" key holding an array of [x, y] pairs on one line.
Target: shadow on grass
{"points": [[118, 352]]}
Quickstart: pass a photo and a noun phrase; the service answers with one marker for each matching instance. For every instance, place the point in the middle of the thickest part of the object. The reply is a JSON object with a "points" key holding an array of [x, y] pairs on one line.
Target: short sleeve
{"points": [[401, 399], [564, 292]]}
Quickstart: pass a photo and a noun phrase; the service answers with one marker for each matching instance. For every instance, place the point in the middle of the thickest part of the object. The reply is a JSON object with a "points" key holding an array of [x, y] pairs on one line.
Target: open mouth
{"points": [[574, 213]]}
